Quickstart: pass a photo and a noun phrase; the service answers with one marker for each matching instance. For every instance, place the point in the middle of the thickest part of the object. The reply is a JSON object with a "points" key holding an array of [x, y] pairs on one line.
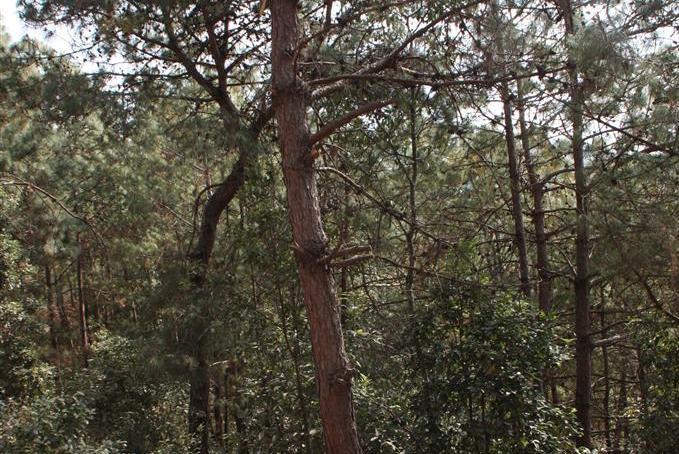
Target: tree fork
{"points": [[332, 364]]}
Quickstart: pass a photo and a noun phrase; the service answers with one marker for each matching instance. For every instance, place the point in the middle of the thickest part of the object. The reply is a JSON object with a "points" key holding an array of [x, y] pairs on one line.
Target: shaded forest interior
{"points": [[446, 226]]}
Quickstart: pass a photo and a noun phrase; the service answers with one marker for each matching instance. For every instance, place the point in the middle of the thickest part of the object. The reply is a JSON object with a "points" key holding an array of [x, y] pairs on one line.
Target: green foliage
{"points": [[131, 398], [51, 424], [479, 372], [659, 415]]}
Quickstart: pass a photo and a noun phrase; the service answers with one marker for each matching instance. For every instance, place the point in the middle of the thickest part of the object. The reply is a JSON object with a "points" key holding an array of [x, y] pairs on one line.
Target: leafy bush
{"points": [[478, 365], [659, 415], [51, 424]]}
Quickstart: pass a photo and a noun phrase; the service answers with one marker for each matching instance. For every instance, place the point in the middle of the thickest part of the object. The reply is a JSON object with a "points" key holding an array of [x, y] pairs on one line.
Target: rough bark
{"points": [[334, 372]]}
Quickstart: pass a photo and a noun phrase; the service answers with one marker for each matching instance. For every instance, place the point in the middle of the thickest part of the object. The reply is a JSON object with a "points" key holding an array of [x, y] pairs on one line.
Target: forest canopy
{"points": [[445, 226]]}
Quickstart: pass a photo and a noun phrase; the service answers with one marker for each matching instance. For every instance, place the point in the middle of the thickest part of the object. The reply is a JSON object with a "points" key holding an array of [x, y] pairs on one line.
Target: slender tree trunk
{"points": [[238, 419], [537, 194], [343, 239], [199, 391], [544, 287], [82, 308], [583, 347], [49, 293], [295, 356], [411, 232], [64, 322], [643, 382], [197, 333], [620, 419], [607, 385], [218, 407], [515, 187], [334, 372], [3, 264], [227, 407], [410, 236]]}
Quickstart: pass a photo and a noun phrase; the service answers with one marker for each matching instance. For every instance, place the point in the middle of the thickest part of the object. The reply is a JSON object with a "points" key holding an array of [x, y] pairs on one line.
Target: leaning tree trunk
{"points": [[333, 370], [583, 348], [197, 332]]}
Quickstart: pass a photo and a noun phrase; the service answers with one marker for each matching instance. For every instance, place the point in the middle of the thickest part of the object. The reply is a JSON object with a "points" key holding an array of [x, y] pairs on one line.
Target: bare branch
{"points": [[351, 261], [609, 340], [334, 125]]}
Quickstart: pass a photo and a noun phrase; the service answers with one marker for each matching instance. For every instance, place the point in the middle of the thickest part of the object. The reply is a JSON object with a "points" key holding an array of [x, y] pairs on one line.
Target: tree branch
{"points": [[334, 125], [18, 181]]}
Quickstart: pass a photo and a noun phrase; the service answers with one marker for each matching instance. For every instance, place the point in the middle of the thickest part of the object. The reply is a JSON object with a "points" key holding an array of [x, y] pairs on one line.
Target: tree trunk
{"points": [[295, 356], [515, 187], [82, 308], [236, 370], [49, 293], [537, 194], [64, 322], [197, 332], [334, 372], [607, 385], [537, 190], [583, 348], [410, 237], [218, 407], [620, 419], [199, 391]]}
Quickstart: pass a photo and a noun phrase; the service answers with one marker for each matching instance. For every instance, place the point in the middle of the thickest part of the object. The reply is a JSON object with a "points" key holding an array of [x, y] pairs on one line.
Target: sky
{"points": [[14, 26], [10, 19]]}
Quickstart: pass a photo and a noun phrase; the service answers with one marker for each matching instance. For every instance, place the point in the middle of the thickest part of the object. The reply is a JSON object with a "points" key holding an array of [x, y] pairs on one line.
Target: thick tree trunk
{"points": [[334, 372], [583, 348], [515, 187]]}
